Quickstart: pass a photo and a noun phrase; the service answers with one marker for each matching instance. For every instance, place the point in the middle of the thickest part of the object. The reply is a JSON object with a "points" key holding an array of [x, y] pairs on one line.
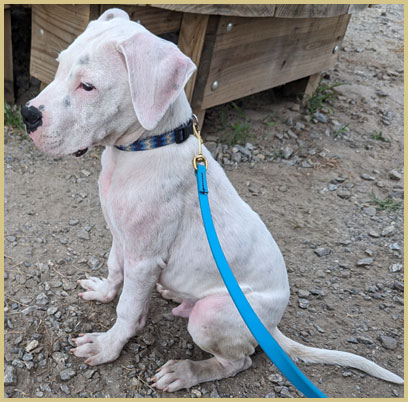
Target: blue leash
{"points": [[258, 330]]}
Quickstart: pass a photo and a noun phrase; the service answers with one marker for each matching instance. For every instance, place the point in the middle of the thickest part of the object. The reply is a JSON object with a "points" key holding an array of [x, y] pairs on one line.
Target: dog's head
{"points": [[115, 78]]}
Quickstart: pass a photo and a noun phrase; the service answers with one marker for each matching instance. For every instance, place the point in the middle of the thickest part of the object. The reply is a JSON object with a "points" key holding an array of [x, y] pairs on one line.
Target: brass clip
{"points": [[199, 157]]}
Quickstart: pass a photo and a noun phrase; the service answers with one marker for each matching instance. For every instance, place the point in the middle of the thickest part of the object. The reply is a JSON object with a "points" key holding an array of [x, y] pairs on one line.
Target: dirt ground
{"points": [[329, 189]]}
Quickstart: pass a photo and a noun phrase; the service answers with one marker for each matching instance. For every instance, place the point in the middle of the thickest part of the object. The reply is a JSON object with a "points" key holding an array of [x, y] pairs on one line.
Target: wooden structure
{"points": [[8, 57], [238, 49]]}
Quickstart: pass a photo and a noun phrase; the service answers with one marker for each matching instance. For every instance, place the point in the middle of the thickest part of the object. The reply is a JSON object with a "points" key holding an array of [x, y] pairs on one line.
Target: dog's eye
{"points": [[86, 86]]}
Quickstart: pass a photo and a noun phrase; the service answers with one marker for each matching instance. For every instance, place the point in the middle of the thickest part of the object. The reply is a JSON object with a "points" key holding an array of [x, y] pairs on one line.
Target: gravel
{"points": [[313, 186]]}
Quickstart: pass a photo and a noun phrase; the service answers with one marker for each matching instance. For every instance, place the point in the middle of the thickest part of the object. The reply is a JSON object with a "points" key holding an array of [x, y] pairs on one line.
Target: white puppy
{"points": [[117, 83]]}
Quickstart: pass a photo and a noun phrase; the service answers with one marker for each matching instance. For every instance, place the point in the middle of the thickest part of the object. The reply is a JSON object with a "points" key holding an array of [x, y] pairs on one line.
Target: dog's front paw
{"points": [[97, 347], [174, 375], [97, 289]]}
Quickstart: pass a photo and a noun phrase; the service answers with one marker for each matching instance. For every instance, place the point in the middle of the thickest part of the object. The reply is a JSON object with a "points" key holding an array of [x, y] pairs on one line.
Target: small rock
{"points": [[306, 164], [388, 342], [292, 135], [83, 235], [370, 211], [86, 173], [285, 393], [373, 233], [381, 93], [395, 247], [367, 177], [31, 346], [65, 389], [320, 117], [52, 310], [276, 378], [10, 375], [344, 194], [287, 152], [365, 340], [11, 239], [395, 175], [398, 285], [332, 187], [93, 262], [42, 299], [73, 222], [365, 262], [388, 231], [303, 303], [67, 374], [321, 251], [270, 395], [295, 107], [347, 374], [148, 338], [303, 294], [214, 393], [196, 393], [243, 150], [396, 267]]}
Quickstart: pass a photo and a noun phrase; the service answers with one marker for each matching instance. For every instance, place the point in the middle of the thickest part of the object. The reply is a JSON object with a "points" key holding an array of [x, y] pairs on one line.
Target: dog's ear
{"points": [[158, 72], [113, 13]]}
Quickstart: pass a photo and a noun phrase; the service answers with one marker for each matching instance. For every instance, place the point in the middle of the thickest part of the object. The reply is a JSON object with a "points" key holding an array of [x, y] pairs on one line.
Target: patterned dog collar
{"points": [[178, 135]]}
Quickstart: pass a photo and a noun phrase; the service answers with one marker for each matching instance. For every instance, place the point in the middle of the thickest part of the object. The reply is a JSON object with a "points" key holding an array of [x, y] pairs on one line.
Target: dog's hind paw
{"points": [[97, 289]]}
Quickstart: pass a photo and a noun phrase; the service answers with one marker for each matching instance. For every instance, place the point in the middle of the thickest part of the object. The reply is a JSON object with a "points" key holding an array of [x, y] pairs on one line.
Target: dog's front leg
{"points": [[105, 289], [140, 276]]}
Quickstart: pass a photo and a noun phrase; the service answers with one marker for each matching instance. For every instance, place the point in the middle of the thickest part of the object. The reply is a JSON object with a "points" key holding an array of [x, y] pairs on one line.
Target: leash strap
{"points": [[258, 330]]}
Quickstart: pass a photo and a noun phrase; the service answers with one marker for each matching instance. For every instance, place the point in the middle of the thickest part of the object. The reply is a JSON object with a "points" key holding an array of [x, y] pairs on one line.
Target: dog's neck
{"points": [[177, 114]]}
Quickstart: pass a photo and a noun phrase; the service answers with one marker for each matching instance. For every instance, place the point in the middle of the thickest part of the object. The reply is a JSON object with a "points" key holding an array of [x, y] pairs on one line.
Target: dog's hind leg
{"points": [[104, 290], [217, 328], [184, 309]]}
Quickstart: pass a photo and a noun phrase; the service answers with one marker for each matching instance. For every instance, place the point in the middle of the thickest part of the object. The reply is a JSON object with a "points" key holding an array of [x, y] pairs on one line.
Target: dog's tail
{"points": [[308, 354]]}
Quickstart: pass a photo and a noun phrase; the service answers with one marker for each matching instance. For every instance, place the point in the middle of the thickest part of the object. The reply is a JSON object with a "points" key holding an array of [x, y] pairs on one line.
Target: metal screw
{"points": [[229, 27], [214, 86], [41, 32], [336, 49], [139, 22]]}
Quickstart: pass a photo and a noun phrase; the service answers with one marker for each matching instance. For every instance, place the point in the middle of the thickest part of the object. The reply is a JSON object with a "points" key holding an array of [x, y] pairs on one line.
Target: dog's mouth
{"points": [[80, 152]]}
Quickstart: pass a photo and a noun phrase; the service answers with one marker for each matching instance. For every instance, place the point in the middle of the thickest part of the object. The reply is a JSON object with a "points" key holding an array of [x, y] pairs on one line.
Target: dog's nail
{"points": [[73, 350], [158, 369]]}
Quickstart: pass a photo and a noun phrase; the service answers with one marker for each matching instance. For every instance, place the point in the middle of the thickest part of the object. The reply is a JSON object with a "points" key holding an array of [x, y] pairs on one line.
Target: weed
{"points": [[278, 154], [240, 132], [239, 110], [323, 94], [378, 135], [12, 117], [386, 204], [342, 130]]}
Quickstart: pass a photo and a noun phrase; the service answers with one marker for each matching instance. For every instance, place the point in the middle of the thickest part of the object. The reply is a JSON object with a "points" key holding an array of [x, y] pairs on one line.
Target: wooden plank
{"points": [[191, 41], [310, 10], [8, 59], [155, 20], [260, 53], [312, 84], [54, 27], [205, 62], [238, 10]]}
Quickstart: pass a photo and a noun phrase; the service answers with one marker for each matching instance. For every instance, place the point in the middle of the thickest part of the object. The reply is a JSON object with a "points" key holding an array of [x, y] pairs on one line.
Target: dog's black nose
{"points": [[32, 117]]}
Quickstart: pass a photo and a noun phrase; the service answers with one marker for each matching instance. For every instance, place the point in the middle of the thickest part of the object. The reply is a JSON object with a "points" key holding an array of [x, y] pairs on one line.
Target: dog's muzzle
{"points": [[32, 118]]}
